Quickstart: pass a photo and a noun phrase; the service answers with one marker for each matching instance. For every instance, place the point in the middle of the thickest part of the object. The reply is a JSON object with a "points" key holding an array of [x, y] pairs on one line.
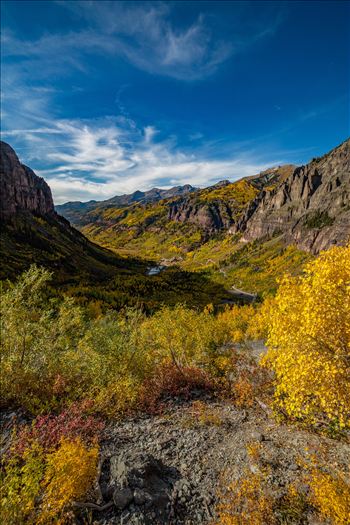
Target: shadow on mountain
{"points": [[94, 274]]}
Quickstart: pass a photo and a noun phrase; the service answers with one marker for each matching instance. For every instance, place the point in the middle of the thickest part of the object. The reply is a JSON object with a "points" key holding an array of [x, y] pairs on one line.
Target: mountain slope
{"points": [[308, 206], [311, 208], [174, 226], [32, 232], [76, 211]]}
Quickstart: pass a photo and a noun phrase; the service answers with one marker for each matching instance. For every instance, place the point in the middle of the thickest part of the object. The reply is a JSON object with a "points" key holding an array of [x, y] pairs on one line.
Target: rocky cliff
{"points": [[32, 232], [208, 216], [21, 189], [311, 207], [220, 206]]}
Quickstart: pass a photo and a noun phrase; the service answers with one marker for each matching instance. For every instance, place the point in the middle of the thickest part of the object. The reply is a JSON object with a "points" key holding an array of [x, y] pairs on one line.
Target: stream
{"points": [[155, 270]]}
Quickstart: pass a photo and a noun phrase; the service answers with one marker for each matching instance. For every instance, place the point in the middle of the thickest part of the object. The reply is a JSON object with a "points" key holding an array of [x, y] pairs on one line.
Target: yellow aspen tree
{"points": [[309, 339]]}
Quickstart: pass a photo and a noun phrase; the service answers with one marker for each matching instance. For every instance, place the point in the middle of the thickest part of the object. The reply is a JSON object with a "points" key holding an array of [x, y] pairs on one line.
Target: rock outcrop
{"points": [[208, 216], [311, 208], [32, 232], [21, 188], [217, 207]]}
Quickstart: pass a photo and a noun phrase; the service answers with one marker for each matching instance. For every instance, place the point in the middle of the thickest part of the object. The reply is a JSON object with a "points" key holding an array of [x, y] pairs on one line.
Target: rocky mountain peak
{"points": [[21, 188], [221, 184], [311, 207]]}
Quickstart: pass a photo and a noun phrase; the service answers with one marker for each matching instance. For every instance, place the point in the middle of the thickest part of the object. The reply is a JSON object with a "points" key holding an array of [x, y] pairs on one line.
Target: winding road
{"points": [[236, 292], [251, 297]]}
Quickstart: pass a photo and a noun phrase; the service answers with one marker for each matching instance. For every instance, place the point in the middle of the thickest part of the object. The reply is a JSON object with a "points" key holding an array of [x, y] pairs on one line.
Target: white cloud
{"points": [[98, 159], [140, 33], [143, 33]]}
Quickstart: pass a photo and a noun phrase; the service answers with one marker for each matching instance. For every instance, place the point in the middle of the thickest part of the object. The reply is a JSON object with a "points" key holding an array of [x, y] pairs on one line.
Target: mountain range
{"points": [[76, 211], [307, 207]]}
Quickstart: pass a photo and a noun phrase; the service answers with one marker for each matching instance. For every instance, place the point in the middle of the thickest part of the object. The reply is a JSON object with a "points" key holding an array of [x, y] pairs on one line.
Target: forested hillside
{"points": [[210, 388]]}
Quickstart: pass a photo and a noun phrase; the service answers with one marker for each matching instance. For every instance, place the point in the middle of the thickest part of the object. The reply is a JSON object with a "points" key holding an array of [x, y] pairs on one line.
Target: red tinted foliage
{"points": [[168, 381], [71, 423]]}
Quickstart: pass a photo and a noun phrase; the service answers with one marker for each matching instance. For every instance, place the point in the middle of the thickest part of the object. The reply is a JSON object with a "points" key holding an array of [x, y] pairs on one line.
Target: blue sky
{"points": [[103, 98]]}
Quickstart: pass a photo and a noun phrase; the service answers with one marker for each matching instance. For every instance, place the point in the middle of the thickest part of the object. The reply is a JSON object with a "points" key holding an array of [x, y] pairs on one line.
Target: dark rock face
{"points": [[209, 216], [21, 189], [32, 232], [221, 213], [311, 207]]}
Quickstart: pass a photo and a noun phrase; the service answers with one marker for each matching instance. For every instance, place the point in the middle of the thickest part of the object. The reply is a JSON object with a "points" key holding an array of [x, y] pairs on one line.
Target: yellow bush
{"points": [[330, 494], [70, 472], [182, 336], [237, 321], [309, 339], [55, 479], [118, 398], [20, 486], [246, 502]]}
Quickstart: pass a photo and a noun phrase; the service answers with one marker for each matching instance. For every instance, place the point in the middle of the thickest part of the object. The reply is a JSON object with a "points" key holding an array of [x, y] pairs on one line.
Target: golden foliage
{"points": [[20, 486], [70, 472], [238, 320], [181, 335], [330, 494], [309, 339], [246, 502], [254, 450], [39, 488]]}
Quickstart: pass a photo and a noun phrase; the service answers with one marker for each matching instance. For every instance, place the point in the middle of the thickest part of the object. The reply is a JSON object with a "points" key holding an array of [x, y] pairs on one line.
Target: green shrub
{"points": [[318, 219]]}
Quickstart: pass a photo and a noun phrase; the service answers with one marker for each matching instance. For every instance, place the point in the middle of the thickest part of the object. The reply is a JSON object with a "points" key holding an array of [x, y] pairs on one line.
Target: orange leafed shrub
{"points": [[169, 380], [243, 391]]}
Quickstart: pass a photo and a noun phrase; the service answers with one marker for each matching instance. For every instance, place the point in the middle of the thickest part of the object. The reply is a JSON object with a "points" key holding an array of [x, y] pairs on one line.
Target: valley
{"points": [[177, 357], [245, 233], [175, 262]]}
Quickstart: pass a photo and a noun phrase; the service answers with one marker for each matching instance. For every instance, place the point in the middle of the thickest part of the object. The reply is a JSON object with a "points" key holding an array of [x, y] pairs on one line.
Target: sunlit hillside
{"points": [[175, 262]]}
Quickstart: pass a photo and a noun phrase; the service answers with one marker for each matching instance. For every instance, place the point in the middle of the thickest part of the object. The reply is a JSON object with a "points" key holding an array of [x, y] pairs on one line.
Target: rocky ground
{"points": [[169, 469]]}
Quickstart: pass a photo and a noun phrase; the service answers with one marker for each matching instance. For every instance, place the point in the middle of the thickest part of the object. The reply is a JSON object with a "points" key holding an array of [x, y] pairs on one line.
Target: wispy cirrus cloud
{"points": [[97, 159], [142, 33]]}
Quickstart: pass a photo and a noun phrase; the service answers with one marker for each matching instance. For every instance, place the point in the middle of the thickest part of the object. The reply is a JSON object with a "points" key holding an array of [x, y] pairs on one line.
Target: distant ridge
{"points": [[309, 206], [72, 210]]}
